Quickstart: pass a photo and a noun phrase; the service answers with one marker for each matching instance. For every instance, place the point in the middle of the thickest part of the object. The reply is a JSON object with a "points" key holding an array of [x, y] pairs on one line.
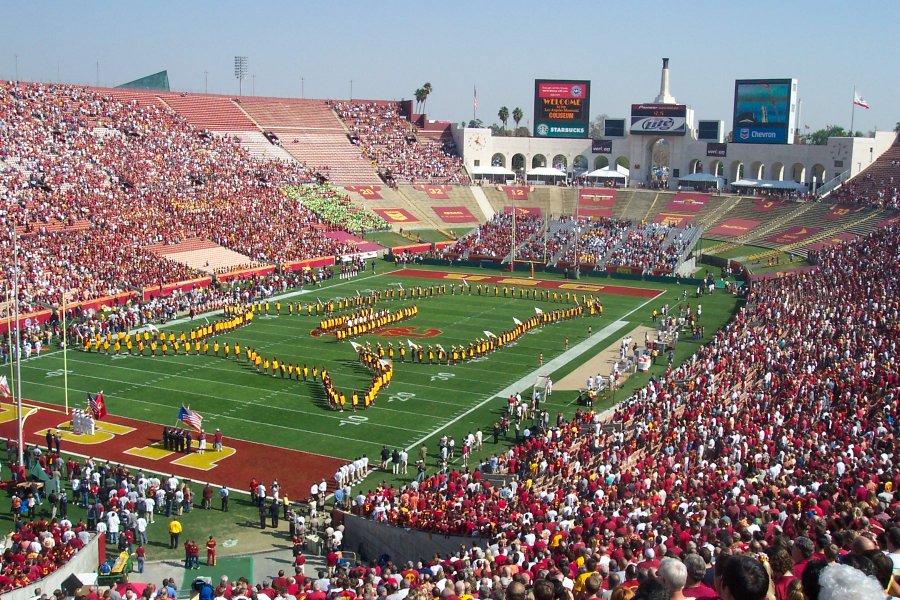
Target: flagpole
{"points": [[853, 110], [65, 350], [9, 334], [18, 340]]}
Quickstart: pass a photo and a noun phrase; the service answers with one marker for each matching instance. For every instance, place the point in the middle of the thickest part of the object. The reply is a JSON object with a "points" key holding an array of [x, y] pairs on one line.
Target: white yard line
{"points": [[558, 362]]}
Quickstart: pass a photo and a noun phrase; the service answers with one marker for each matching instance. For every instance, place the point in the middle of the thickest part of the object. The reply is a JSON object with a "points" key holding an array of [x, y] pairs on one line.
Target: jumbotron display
{"points": [[561, 108], [658, 119], [764, 110]]}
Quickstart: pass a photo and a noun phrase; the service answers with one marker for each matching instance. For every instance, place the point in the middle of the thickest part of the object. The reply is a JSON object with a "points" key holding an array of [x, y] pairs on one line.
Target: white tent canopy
{"points": [[545, 172], [617, 172], [491, 170], [770, 184]]}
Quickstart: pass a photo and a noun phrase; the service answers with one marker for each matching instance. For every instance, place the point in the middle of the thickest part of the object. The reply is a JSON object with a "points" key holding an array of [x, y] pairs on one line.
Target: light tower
{"points": [[240, 71]]}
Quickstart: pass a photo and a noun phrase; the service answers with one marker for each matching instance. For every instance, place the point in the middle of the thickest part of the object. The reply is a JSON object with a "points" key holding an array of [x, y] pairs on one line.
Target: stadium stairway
{"points": [[633, 205], [722, 208], [259, 146]]}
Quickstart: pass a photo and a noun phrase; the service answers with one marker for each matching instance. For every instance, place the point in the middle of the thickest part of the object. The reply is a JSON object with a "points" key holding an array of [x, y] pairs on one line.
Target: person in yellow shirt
{"points": [[174, 533]]}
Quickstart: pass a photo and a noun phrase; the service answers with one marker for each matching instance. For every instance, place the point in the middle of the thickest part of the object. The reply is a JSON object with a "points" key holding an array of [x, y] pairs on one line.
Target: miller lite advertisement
{"points": [[659, 119]]}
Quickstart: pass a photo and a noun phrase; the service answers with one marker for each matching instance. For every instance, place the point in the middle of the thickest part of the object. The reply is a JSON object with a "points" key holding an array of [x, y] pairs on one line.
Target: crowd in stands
{"points": [[334, 206], [871, 190], [778, 438], [650, 248], [89, 181], [596, 239], [389, 140], [494, 238]]}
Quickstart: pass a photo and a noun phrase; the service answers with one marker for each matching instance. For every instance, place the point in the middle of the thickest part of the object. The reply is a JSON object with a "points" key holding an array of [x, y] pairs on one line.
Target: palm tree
{"points": [[503, 113], [427, 89], [420, 98], [517, 116]]}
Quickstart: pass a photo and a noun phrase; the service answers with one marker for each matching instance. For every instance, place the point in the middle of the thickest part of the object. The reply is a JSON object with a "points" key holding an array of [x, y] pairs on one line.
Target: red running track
{"points": [[138, 444]]}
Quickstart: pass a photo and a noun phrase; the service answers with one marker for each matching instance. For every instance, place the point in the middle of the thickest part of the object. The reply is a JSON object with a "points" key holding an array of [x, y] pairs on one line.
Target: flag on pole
{"points": [[356, 347], [441, 348], [97, 405], [4, 388], [474, 99], [516, 321], [411, 345], [859, 100], [489, 334], [190, 417], [538, 311]]}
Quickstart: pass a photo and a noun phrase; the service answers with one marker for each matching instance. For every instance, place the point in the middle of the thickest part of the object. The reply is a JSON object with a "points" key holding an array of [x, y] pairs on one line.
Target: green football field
{"points": [[423, 401]]}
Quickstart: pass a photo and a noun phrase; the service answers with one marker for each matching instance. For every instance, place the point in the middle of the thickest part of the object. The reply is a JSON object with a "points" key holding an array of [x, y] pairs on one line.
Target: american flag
{"points": [[97, 405], [190, 417]]}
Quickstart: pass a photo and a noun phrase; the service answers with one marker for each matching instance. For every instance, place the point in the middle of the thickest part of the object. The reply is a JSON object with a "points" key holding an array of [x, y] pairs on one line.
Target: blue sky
{"points": [[390, 48]]}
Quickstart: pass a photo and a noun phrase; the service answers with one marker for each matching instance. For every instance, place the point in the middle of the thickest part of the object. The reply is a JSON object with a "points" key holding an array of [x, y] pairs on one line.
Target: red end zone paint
{"points": [[295, 470], [593, 288]]}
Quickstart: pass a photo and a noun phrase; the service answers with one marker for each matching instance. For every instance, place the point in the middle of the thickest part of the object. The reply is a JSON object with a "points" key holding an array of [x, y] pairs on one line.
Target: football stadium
{"points": [[349, 349]]}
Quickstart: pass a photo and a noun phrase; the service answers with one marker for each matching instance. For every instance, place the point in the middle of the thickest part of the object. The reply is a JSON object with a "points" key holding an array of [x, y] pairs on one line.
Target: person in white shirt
{"points": [[141, 527]]}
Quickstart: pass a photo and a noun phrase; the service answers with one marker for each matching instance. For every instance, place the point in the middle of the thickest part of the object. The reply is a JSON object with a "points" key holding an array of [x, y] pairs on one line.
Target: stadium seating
{"points": [[384, 136], [877, 185]]}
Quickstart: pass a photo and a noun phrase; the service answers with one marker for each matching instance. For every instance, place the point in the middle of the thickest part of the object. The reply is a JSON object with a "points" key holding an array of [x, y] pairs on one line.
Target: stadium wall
{"points": [[370, 540], [86, 561]]}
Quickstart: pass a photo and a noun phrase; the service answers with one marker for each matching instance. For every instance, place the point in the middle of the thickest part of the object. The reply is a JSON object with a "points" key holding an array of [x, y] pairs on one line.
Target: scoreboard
{"points": [[659, 119], [561, 108]]}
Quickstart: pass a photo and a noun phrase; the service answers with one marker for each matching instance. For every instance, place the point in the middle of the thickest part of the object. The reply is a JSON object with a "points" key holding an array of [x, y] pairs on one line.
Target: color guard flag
{"points": [[859, 100], [97, 405], [411, 345], [4, 388], [190, 417], [538, 311], [489, 334], [356, 347], [516, 321]]}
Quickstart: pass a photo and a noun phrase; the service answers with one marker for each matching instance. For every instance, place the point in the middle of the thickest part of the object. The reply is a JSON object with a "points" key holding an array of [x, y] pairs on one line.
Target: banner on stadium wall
{"points": [[36, 318], [105, 301], [411, 249], [245, 273], [312, 263], [156, 291]]}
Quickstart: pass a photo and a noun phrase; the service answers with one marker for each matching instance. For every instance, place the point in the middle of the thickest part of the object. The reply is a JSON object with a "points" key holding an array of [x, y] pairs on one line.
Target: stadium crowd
{"points": [[390, 141], [778, 438], [494, 238], [89, 181]]}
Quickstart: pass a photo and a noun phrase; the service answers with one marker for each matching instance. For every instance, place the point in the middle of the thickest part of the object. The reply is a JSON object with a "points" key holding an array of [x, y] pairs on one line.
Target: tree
{"points": [[476, 123], [420, 96], [597, 126], [517, 116], [820, 137], [897, 127], [522, 132], [503, 113], [427, 89]]}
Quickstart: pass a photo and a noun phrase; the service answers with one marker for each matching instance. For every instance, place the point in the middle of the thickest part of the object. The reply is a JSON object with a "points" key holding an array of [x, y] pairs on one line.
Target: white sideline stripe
{"points": [[556, 363]]}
